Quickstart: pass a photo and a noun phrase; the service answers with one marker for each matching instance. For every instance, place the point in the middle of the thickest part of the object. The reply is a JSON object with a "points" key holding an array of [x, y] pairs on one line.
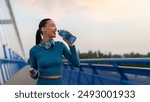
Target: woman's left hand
{"points": [[69, 44]]}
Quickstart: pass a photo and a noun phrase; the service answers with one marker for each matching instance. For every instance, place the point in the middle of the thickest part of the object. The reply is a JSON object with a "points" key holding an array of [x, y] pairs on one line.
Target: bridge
{"points": [[14, 69]]}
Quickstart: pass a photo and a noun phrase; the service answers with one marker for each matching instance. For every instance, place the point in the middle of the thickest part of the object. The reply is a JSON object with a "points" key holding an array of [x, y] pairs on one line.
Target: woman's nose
{"points": [[56, 28]]}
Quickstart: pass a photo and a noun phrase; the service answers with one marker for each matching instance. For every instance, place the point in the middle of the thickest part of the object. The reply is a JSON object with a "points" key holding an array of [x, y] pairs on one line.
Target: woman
{"points": [[46, 55]]}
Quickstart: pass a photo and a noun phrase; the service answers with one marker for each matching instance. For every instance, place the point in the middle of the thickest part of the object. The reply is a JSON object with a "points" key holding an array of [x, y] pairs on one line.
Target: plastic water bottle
{"points": [[67, 36]]}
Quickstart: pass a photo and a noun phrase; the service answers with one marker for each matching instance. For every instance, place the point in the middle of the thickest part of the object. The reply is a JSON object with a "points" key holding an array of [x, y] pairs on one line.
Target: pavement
{"points": [[22, 77]]}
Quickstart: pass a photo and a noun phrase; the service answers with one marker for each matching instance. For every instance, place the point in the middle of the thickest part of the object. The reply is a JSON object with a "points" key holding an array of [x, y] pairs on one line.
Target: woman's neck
{"points": [[45, 38]]}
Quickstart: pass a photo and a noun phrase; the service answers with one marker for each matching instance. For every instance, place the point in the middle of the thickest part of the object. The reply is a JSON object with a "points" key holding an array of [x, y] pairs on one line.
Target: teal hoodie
{"points": [[49, 61]]}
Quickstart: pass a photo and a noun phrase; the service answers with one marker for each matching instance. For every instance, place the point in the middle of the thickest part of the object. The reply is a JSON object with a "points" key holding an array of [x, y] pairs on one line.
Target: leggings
{"points": [[49, 81]]}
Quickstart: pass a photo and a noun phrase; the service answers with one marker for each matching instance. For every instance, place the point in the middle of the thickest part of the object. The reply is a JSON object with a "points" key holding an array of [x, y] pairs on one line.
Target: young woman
{"points": [[46, 55]]}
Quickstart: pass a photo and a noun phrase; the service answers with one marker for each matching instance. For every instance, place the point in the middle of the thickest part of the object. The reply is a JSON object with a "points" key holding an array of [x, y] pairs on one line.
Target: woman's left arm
{"points": [[71, 55]]}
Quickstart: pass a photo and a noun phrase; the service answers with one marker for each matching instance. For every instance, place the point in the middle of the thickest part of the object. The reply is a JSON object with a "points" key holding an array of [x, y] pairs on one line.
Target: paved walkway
{"points": [[22, 77]]}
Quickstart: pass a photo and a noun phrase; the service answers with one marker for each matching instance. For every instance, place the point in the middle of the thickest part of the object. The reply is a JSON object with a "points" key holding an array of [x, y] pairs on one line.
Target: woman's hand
{"points": [[34, 75], [69, 44]]}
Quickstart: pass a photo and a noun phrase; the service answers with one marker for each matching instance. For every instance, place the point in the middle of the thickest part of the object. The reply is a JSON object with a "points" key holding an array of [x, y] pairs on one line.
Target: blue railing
{"points": [[108, 71], [10, 64], [8, 68]]}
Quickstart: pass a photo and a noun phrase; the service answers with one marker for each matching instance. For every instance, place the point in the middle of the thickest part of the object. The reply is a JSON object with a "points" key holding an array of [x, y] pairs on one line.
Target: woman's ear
{"points": [[43, 29]]}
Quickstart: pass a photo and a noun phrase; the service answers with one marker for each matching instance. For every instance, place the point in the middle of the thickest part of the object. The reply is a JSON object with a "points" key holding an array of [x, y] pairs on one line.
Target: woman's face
{"points": [[49, 29]]}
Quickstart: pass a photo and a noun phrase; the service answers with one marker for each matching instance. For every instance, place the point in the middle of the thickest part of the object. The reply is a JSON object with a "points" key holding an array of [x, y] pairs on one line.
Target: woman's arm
{"points": [[71, 55], [32, 59], [33, 64]]}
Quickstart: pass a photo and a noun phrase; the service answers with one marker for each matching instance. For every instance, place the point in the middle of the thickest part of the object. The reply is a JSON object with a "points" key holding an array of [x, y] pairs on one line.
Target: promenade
{"points": [[22, 77]]}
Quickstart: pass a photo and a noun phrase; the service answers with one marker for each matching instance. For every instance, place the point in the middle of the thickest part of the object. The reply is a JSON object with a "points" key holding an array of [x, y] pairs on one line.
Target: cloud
{"points": [[98, 10], [109, 10], [38, 8]]}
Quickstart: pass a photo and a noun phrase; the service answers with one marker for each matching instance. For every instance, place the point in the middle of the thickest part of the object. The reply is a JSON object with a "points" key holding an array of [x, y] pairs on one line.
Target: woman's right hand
{"points": [[69, 44]]}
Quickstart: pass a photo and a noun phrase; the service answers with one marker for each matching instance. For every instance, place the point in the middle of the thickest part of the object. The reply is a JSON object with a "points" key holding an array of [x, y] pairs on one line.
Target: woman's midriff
{"points": [[51, 77]]}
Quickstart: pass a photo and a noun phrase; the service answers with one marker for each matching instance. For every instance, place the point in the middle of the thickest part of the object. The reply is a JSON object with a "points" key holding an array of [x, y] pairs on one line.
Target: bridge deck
{"points": [[21, 78]]}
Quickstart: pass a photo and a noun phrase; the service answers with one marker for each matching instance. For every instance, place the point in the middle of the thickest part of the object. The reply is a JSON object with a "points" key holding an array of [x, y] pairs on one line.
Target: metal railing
{"points": [[108, 71], [10, 64], [8, 68]]}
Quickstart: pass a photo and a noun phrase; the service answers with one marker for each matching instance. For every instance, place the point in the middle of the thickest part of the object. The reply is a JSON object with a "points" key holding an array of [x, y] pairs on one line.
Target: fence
{"points": [[108, 71], [9, 65]]}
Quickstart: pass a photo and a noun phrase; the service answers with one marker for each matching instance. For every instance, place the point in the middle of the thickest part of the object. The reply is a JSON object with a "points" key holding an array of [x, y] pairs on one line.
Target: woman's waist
{"points": [[50, 72], [51, 77]]}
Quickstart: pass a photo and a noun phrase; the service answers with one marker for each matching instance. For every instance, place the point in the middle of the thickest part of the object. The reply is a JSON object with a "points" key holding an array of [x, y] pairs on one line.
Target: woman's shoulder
{"points": [[34, 48]]}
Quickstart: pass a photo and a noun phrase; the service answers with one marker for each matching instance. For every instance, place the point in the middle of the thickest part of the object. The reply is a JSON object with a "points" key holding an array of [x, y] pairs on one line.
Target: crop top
{"points": [[49, 61]]}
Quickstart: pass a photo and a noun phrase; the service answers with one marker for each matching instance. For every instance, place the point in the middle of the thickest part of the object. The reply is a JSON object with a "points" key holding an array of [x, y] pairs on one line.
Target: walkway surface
{"points": [[22, 77]]}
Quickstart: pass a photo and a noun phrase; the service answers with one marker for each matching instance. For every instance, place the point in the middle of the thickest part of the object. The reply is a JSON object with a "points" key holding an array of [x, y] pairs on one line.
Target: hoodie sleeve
{"points": [[71, 55], [33, 60]]}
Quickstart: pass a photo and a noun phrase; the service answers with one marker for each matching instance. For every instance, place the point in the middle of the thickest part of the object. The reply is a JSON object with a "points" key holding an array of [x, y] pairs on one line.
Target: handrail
{"points": [[91, 73], [116, 60], [8, 68], [10, 64]]}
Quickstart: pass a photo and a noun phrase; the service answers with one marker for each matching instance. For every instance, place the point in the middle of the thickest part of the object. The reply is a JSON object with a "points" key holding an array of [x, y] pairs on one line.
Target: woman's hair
{"points": [[39, 31]]}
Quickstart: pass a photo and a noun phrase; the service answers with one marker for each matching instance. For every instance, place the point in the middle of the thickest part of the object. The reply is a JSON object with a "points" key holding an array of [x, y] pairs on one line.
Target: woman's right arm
{"points": [[33, 64], [32, 59]]}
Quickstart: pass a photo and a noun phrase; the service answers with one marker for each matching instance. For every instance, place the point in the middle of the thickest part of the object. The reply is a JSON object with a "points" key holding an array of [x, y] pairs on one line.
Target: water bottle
{"points": [[67, 36]]}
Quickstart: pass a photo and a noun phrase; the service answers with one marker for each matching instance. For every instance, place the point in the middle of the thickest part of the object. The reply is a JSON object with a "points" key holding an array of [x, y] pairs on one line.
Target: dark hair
{"points": [[39, 32]]}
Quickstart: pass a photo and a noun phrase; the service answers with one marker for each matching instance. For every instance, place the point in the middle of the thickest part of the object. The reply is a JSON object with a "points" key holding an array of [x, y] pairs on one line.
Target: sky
{"points": [[116, 26]]}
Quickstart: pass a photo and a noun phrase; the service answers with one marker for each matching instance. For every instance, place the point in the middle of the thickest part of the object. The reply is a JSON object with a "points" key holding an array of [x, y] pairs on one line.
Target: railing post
{"points": [[79, 75], [70, 76], [4, 49], [122, 75], [5, 64], [11, 58], [2, 73], [10, 54], [94, 72]]}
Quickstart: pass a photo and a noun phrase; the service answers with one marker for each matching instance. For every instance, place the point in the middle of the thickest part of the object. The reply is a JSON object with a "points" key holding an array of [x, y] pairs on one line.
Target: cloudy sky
{"points": [[117, 26]]}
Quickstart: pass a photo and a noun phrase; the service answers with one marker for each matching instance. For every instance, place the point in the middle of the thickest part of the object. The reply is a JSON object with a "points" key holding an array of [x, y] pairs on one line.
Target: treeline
{"points": [[99, 54]]}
